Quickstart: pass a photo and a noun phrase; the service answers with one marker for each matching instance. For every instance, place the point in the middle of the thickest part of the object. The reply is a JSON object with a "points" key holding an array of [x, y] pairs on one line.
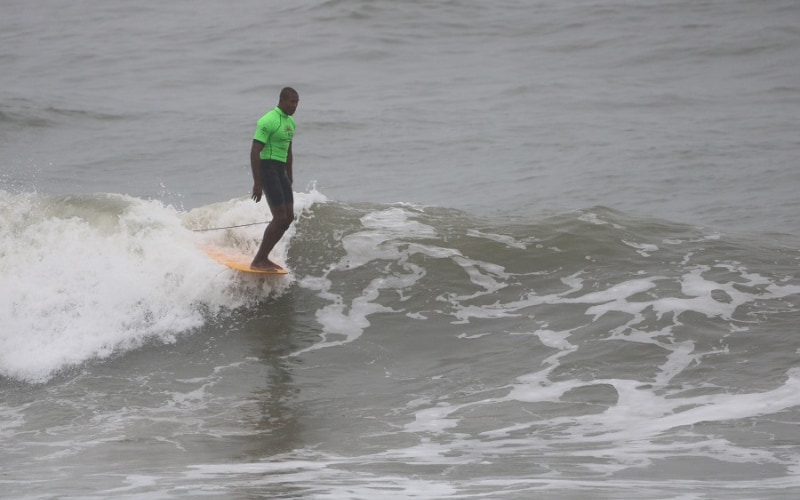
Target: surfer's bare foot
{"points": [[265, 266]]}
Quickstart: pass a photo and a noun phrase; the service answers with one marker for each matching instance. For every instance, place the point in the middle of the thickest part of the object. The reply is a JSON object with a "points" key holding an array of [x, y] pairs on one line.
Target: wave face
{"points": [[590, 349]]}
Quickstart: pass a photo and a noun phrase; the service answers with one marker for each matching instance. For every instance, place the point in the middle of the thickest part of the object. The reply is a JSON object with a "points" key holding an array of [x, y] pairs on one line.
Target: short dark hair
{"points": [[286, 92]]}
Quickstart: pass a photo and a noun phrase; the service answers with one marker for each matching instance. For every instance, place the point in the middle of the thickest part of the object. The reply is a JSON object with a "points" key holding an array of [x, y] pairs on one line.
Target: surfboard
{"points": [[237, 261]]}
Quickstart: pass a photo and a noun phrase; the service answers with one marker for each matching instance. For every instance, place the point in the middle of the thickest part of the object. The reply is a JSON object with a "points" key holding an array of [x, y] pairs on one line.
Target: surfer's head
{"points": [[288, 100]]}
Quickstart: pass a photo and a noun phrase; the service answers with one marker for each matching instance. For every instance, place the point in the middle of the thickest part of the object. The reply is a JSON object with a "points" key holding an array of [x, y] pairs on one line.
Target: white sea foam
{"points": [[85, 278], [385, 237]]}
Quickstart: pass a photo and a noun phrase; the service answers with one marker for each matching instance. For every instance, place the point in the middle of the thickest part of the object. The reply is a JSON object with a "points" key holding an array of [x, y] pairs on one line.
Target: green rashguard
{"points": [[275, 130]]}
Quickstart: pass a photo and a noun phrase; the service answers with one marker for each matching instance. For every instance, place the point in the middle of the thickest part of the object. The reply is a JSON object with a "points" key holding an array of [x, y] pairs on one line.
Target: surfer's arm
{"points": [[255, 167]]}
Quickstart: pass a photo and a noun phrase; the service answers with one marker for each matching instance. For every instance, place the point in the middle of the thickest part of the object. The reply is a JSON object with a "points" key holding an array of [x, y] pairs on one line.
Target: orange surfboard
{"points": [[237, 261]]}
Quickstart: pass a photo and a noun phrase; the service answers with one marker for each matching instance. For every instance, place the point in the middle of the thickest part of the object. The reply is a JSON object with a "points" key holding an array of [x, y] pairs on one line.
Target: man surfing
{"points": [[271, 163]]}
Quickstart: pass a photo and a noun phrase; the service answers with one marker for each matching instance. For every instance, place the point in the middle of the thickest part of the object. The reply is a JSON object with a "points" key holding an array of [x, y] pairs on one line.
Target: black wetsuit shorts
{"points": [[275, 183]]}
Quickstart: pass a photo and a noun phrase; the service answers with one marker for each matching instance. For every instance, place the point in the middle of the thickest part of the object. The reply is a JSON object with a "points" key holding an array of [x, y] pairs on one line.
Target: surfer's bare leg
{"points": [[282, 217]]}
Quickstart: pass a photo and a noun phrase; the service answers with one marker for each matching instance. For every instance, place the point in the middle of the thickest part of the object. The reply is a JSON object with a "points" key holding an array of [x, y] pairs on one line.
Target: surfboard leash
{"points": [[230, 227]]}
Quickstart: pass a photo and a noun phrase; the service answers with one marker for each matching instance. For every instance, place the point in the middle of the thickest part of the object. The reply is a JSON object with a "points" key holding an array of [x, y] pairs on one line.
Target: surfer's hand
{"points": [[257, 193]]}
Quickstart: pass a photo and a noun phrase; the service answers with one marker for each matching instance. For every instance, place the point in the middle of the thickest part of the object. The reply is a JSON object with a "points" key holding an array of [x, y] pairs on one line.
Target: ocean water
{"points": [[542, 250]]}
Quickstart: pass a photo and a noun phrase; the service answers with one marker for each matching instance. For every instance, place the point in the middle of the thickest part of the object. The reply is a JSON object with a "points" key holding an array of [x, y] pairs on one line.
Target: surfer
{"points": [[271, 163]]}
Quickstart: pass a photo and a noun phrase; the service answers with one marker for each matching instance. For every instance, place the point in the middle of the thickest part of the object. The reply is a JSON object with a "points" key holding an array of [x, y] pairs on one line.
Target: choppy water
{"points": [[543, 250]]}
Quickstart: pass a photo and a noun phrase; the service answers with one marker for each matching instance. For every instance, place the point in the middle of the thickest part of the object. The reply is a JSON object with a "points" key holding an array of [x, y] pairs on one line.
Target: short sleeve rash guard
{"points": [[275, 130]]}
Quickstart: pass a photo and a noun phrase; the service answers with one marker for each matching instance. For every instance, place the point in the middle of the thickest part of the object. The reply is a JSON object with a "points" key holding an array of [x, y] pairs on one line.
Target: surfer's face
{"points": [[289, 104]]}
